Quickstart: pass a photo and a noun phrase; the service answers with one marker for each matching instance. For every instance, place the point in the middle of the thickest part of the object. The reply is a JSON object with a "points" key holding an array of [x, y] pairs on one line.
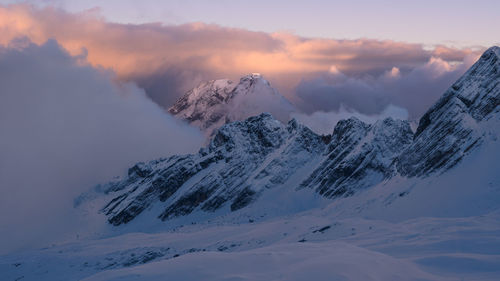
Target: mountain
{"points": [[271, 201], [214, 103], [242, 159], [452, 126], [246, 159], [359, 156]]}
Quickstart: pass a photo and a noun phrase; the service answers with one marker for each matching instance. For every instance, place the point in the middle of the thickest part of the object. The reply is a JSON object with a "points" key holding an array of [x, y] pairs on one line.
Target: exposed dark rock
{"points": [[359, 156], [219, 173], [323, 229], [245, 197], [246, 158], [447, 131]]}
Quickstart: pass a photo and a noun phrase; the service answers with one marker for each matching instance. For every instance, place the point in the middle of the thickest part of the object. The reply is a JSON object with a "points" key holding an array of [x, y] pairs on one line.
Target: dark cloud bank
{"points": [[415, 90], [65, 127]]}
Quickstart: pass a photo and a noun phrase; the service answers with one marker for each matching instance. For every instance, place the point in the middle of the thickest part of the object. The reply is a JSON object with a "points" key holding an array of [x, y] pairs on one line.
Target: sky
{"points": [[84, 85], [314, 73], [450, 22]]}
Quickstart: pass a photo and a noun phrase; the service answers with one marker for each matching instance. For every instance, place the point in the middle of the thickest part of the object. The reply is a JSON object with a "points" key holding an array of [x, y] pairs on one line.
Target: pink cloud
{"points": [[167, 60]]}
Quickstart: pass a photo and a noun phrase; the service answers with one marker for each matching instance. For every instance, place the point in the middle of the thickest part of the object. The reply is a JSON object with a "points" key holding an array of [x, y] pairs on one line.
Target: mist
{"points": [[415, 89], [66, 126], [322, 122]]}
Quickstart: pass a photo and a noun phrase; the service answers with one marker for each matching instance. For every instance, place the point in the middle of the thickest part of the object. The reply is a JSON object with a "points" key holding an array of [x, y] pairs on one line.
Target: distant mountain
{"points": [[203, 106], [214, 103], [246, 159]]}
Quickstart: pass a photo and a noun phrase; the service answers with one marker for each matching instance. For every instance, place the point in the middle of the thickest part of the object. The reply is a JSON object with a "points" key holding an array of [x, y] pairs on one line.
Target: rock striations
{"points": [[246, 158], [242, 159], [359, 156], [450, 128]]}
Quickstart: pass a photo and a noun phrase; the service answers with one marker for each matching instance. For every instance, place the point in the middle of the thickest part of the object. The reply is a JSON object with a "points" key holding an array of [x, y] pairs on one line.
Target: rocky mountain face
{"points": [[247, 158], [451, 128], [242, 159], [359, 156], [214, 103]]}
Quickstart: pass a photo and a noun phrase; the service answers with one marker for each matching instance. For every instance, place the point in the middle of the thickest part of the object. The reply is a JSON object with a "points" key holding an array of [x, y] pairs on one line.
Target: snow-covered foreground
{"points": [[308, 247], [307, 261]]}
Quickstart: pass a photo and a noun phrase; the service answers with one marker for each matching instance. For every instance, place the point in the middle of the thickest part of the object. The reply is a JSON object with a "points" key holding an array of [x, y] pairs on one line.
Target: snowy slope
{"points": [[214, 103], [300, 246]]}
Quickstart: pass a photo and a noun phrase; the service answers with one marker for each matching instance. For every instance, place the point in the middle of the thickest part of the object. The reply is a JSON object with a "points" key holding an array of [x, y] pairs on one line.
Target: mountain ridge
{"points": [[452, 121], [245, 159]]}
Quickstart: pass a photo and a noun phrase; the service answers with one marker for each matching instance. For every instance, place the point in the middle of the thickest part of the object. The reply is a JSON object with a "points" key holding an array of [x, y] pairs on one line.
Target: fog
{"points": [[66, 126], [414, 90]]}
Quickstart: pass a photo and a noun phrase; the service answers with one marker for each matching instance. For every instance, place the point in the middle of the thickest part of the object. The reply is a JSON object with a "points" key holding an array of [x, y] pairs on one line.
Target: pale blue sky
{"points": [[450, 22]]}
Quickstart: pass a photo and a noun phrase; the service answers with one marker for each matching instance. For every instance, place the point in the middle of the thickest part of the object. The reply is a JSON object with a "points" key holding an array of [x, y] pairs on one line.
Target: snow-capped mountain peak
{"points": [[252, 80], [214, 103]]}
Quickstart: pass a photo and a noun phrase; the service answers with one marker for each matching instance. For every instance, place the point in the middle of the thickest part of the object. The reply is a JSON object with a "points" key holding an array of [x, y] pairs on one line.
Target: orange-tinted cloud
{"points": [[132, 48], [129, 49], [151, 53]]}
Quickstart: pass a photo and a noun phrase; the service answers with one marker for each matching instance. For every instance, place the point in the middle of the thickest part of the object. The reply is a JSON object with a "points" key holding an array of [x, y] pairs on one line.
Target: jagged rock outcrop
{"points": [[449, 129], [246, 158], [359, 156], [243, 159]]}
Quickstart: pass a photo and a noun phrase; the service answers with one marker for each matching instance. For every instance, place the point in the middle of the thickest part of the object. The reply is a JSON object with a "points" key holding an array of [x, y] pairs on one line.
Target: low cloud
{"points": [[415, 90], [65, 127], [323, 122]]}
